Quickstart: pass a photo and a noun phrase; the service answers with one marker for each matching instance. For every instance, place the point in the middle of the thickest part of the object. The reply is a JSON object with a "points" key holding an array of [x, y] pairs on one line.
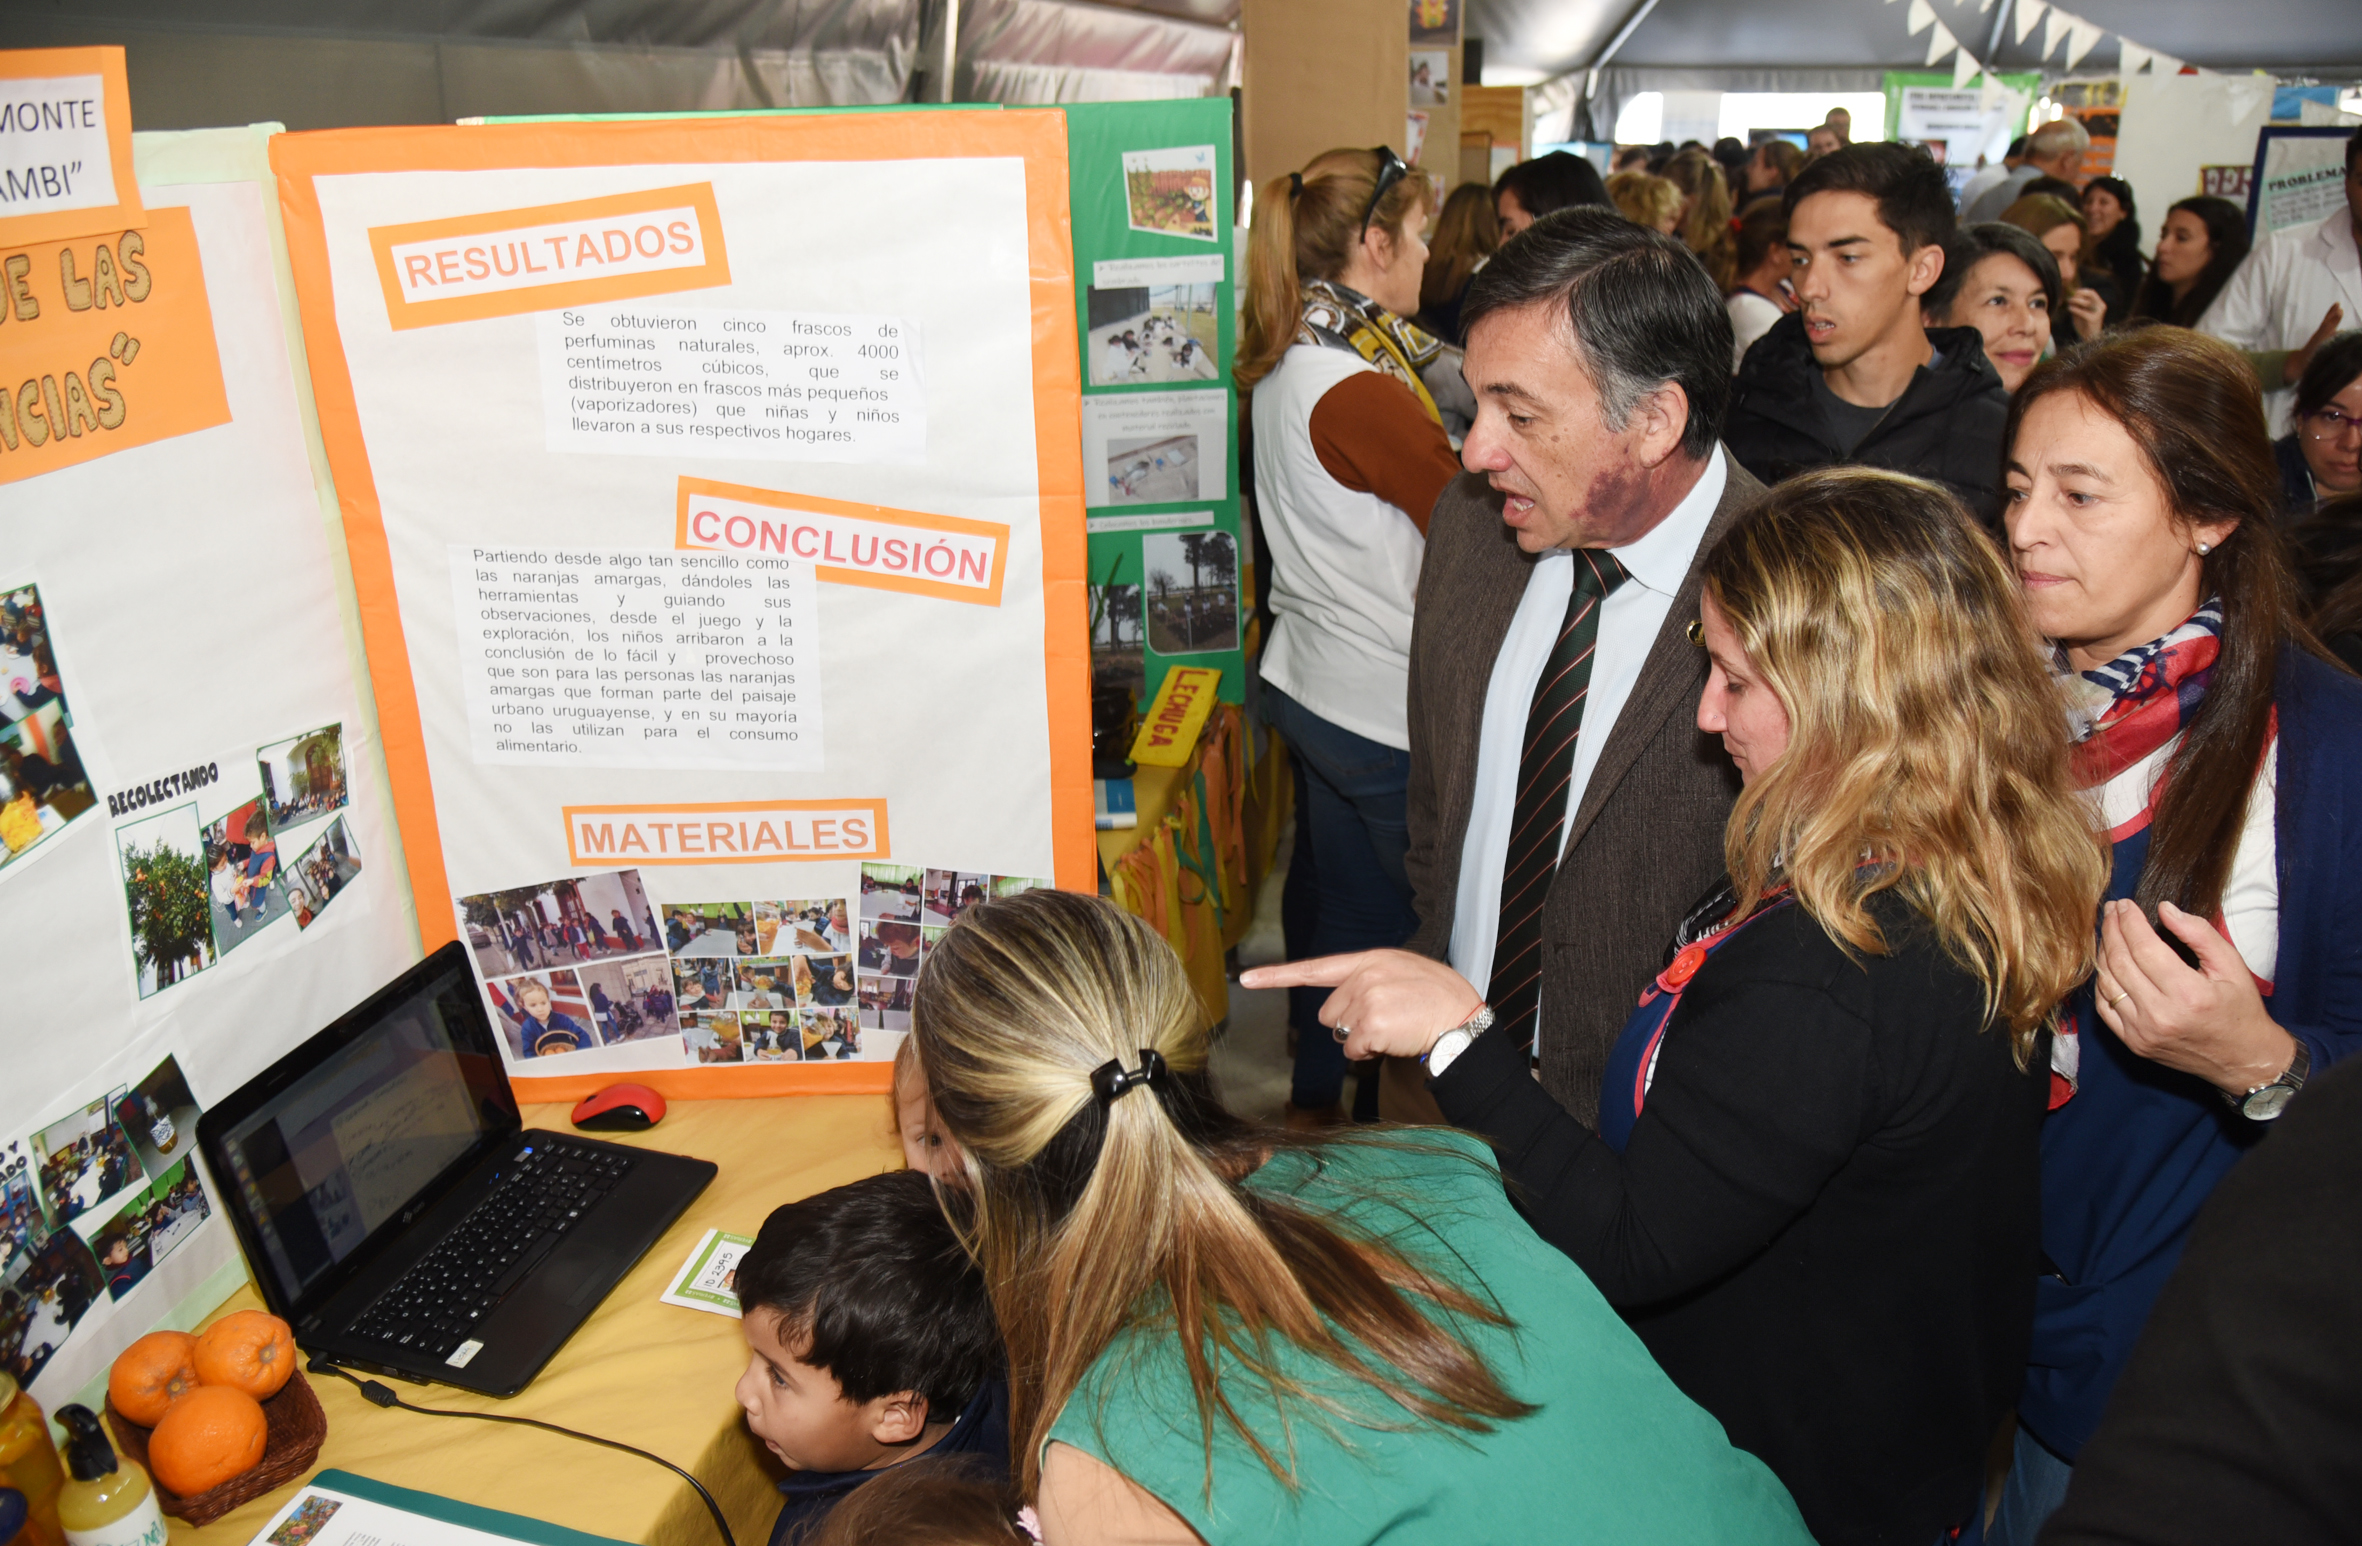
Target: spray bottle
{"points": [[106, 1501]]}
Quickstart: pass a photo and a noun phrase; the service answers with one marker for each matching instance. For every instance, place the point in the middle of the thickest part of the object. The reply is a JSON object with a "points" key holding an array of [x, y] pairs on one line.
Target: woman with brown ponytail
{"points": [[1350, 454], [1219, 1332]]}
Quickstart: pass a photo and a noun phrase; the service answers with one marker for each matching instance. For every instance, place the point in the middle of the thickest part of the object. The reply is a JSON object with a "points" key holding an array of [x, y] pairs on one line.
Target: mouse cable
{"points": [[378, 1393]]}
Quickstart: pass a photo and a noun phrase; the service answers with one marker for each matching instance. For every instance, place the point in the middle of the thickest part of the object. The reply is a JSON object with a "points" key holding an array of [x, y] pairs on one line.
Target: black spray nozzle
{"points": [[88, 1454]]}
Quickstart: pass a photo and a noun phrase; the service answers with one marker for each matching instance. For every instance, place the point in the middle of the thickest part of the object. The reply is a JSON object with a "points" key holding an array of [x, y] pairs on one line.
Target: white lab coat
{"points": [[2277, 297]]}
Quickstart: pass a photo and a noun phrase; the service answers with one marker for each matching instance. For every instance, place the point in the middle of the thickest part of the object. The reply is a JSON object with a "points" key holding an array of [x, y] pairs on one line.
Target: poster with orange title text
{"points": [[720, 547]]}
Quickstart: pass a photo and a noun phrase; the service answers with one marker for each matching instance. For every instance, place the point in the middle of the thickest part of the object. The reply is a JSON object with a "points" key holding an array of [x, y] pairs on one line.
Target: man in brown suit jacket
{"points": [[1580, 323]]}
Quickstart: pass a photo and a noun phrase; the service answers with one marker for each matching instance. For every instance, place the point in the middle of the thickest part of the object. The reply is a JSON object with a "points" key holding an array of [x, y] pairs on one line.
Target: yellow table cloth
{"points": [[639, 1371]]}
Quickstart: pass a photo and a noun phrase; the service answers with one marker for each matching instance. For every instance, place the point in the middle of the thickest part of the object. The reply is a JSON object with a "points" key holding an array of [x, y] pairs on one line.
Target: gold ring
{"points": [[2120, 998]]}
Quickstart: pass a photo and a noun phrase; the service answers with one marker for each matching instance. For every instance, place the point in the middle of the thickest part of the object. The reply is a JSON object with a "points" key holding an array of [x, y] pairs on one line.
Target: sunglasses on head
{"points": [[1391, 170]]}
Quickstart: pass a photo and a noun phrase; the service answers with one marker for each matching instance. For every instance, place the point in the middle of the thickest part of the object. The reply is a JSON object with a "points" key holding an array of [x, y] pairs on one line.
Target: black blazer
{"points": [[1827, 1219]]}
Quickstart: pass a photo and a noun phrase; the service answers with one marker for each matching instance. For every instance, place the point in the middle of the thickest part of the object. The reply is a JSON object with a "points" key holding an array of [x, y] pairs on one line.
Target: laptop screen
{"points": [[347, 1145]]}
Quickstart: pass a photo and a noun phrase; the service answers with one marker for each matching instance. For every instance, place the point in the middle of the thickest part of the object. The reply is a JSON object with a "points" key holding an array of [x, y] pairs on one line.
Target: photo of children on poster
{"points": [[1153, 333], [48, 1278], [563, 922], [320, 872], [42, 785], [242, 876]]}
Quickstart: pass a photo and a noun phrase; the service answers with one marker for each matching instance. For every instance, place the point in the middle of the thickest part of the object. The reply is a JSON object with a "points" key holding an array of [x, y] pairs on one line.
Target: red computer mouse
{"points": [[629, 1108]]}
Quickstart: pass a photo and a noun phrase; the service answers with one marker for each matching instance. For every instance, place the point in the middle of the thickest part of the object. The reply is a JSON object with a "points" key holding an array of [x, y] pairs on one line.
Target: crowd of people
{"points": [[1861, 819]]}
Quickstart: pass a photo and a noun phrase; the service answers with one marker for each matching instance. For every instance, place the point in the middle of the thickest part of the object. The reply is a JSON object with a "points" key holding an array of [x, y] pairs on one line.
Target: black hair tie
{"points": [[1295, 184], [1110, 1082]]}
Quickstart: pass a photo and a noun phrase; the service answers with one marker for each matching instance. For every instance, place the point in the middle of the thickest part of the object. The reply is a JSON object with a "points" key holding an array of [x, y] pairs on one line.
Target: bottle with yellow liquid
{"points": [[105, 1501], [29, 1465]]}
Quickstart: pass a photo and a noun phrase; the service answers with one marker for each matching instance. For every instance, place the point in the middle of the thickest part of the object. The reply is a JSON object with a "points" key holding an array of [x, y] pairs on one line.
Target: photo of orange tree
{"points": [[170, 928]]}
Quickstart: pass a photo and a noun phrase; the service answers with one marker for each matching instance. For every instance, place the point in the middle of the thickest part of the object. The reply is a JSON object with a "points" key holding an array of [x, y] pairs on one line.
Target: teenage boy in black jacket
{"points": [[1851, 377]]}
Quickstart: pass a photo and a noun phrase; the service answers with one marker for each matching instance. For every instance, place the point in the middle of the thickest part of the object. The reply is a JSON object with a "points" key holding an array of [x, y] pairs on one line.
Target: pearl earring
{"points": [[2204, 549]]}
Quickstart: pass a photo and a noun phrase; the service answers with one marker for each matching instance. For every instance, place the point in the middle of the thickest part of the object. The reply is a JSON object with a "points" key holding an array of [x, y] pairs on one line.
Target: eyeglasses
{"points": [[2329, 424], [1391, 170]]}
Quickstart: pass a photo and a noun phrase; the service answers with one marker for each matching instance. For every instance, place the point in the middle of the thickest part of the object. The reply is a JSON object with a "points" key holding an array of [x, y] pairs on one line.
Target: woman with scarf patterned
{"points": [[1348, 403], [2226, 755]]}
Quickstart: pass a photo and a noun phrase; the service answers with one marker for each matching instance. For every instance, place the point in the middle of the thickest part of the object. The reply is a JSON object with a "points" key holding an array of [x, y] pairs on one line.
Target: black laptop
{"points": [[399, 1215]]}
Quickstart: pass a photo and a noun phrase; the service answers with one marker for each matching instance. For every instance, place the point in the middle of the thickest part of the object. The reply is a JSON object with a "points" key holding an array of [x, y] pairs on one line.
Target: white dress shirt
{"points": [[2278, 296], [1629, 621]]}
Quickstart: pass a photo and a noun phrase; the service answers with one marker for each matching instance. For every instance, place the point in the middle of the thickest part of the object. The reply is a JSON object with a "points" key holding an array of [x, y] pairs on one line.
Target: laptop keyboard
{"points": [[435, 1306]]}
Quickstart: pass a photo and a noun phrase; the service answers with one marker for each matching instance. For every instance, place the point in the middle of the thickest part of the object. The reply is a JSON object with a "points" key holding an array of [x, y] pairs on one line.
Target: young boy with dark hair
{"points": [[1853, 377], [872, 1342]]}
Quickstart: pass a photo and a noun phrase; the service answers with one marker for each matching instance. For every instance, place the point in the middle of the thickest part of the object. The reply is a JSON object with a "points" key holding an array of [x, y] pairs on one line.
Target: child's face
{"points": [[801, 1412], [925, 1145]]}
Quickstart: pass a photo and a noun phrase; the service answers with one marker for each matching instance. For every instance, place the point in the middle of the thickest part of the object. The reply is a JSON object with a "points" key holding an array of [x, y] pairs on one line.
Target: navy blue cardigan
{"points": [[2128, 1162]]}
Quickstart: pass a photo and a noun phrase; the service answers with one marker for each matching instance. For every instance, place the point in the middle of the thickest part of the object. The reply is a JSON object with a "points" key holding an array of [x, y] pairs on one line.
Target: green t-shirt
{"points": [[1616, 1453]]}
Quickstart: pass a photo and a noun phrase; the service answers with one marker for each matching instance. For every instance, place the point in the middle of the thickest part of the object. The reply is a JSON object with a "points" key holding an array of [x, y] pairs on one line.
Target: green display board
{"points": [[1151, 188]]}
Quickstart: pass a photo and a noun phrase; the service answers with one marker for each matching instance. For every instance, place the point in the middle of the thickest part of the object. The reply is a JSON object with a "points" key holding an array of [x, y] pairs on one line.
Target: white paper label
{"points": [[464, 1354], [779, 386], [53, 145], [638, 658]]}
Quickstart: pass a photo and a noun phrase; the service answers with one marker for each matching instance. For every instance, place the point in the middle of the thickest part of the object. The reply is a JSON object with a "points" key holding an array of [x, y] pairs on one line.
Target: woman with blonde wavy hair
{"points": [[1815, 1167], [1219, 1332]]}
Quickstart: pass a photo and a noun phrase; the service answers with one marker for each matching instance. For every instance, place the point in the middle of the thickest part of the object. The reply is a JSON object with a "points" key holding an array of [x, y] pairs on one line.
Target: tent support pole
{"points": [[1623, 35], [951, 43]]}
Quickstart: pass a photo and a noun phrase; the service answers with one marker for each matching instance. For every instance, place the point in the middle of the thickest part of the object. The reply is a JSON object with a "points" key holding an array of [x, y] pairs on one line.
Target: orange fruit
{"points": [[151, 1374], [249, 1351], [211, 1434]]}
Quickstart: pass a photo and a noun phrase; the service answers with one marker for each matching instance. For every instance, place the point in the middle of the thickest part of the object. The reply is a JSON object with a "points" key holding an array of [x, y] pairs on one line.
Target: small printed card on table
{"points": [[708, 1279]]}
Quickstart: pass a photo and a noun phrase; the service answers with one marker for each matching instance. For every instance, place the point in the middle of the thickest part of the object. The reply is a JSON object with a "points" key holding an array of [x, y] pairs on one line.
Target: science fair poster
{"points": [[721, 555]]}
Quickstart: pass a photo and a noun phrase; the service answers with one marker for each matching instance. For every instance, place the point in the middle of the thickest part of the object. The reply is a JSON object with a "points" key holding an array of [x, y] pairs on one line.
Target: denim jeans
{"points": [[2037, 1485], [1352, 825]]}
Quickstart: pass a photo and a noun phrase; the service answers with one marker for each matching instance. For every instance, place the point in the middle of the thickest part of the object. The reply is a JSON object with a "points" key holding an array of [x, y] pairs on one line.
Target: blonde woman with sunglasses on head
{"points": [[1225, 1333]]}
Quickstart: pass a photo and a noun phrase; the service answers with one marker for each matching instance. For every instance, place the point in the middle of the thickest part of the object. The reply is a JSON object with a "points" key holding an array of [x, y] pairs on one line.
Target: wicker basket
{"points": [[297, 1428]]}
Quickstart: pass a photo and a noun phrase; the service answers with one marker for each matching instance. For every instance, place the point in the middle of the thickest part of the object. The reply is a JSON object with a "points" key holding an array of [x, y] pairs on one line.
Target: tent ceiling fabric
{"points": [[1058, 51], [1551, 37]]}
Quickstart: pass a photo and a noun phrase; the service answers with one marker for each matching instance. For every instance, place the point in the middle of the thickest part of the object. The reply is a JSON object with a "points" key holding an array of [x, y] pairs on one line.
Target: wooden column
{"points": [[1322, 74]]}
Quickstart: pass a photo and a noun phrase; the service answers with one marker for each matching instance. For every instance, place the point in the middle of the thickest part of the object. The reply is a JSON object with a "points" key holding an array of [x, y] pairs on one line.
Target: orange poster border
{"points": [[1036, 136], [988, 596], [129, 212], [875, 805], [403, 314]]}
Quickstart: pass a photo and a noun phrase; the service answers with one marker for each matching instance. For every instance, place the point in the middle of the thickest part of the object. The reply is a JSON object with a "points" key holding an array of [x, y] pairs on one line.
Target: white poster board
{"points": [[2172, 126], [720, 545], [189, 739]]}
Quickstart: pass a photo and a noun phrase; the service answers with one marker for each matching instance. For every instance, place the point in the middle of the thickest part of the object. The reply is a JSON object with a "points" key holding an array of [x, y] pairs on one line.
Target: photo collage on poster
{"points": [[589, 961], [90, 1204], [196, 891], [1152, 184]]}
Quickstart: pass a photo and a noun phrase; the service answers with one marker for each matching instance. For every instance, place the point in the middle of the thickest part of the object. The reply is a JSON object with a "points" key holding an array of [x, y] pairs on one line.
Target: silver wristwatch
{"points": [[2267, 1101], [1455, 1041]]}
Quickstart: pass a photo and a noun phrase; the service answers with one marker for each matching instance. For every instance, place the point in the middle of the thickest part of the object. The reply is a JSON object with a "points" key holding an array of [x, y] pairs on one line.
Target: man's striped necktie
{"points": [[1544, 768]]}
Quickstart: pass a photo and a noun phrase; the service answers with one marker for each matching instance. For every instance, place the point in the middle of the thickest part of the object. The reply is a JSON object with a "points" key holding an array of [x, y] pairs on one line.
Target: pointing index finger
{"points": [[1319, 972]]}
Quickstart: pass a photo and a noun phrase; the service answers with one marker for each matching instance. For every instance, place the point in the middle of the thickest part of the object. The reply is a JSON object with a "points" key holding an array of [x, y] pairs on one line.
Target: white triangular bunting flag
{"points": [[1964, 69], [2082, 37], [2028, 13], [1990, 93], [2054, 27], [2131, 56], [2164, 64], [1984, 6], [1939, 43], [1922, 15]]}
